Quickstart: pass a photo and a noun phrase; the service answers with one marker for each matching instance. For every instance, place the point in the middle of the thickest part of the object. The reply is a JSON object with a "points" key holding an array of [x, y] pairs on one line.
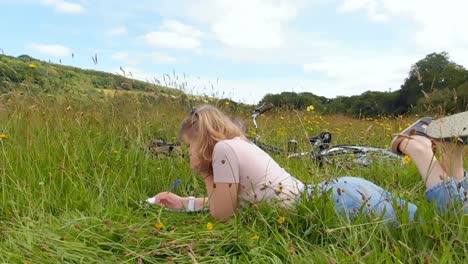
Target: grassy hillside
{"points": [[28, 73], [73, 169]]}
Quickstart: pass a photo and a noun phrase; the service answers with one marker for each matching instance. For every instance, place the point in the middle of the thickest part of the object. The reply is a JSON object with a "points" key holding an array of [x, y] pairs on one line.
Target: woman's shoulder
{"points": [[232, 144]]}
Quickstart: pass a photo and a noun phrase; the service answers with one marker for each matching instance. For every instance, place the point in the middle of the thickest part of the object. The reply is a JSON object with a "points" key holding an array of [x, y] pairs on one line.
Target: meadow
{"points": [[73, 169]]}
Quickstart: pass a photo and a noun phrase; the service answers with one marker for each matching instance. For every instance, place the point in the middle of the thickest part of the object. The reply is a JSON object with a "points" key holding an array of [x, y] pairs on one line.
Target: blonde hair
{"points": [[205, 127]]}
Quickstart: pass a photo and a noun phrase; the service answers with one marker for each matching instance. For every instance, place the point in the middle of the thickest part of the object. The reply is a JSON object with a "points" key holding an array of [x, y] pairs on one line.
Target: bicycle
{"points": [[322, 151]]}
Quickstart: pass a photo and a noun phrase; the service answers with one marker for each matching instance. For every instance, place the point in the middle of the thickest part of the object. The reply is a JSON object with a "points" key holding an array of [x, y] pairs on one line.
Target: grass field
{"points": [[73, 168]]}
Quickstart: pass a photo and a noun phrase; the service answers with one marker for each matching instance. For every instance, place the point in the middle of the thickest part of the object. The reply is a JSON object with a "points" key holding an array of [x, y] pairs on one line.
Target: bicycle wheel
{"points": [[347, 156]]}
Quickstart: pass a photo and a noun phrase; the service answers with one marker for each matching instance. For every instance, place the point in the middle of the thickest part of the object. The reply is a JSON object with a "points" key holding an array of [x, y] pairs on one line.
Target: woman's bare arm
{"points": [[222, 198]]}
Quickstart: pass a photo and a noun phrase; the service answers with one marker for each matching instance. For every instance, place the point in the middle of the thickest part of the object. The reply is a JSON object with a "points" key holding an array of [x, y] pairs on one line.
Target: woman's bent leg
{"points": [[452, 158], [446, 191], [419, 148]]}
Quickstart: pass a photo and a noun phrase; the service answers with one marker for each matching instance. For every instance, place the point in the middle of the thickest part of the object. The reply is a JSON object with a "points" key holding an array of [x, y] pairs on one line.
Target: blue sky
{"points": [[242, 49]]}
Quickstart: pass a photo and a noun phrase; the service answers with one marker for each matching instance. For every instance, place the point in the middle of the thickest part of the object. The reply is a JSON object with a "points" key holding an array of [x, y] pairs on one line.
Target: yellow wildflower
{"points": [[280, 133], [227, 103], [115, 152], [281, 220], [3, 136], [406, 159], [255, 237], [32, 65], [209, 226], [158, 225], [310, 108]]}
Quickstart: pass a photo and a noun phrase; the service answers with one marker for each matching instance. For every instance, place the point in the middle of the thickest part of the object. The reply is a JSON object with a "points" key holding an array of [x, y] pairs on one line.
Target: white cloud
{"points": [[355, 73], [242, 24], [460, 56], [162, 58], [52, 50], [440, 25], [175, 35], [119, 56], [253, 24], [65, 6], [371, 6], [123, 56], [329, 76], [344, 76], [117, 31], [133, 73], [301, 47]]}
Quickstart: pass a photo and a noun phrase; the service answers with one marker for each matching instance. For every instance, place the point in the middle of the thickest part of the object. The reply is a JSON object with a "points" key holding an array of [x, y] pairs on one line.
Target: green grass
{"points": [[73, 170]]}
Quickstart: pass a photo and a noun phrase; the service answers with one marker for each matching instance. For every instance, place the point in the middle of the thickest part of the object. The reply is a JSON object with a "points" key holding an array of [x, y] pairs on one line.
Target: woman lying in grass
{"points": [[237, 172]]}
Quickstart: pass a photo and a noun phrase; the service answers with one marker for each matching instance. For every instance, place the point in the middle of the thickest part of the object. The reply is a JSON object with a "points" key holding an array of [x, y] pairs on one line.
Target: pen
{"points": [[152, 200]]}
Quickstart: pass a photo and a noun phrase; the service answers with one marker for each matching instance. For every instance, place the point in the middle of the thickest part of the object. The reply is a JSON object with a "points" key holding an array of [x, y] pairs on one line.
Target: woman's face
{"points": [[194, 160]]}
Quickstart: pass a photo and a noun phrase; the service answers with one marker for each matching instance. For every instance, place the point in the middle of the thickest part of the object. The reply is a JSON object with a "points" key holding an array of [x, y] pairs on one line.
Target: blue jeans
{"points": [[450, 194], [352, 195]]}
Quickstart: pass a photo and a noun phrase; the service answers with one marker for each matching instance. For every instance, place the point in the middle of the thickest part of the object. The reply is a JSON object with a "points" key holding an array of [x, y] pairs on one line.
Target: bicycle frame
{"points": [[322, 150], [257, 112], [317, 146]]}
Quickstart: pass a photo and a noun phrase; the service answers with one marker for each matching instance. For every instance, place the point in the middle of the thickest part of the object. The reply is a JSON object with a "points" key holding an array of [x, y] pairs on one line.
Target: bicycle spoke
{"points": [[349, 156]]}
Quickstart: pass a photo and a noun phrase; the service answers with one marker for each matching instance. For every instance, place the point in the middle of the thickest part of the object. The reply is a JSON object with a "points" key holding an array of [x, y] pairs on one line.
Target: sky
{"points": [[241, 49]]}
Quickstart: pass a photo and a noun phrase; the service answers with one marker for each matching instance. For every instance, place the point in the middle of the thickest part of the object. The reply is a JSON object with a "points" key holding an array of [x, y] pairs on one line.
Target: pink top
{"points": [[260, 178]]}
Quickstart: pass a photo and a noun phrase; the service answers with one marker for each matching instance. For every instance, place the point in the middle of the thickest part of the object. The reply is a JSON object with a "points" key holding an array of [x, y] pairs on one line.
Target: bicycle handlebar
{"points": [[262, 109]]}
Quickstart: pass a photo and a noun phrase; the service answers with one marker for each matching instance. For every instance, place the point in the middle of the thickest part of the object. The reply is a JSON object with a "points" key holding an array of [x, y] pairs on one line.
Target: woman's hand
{"points": [[169, 200]]}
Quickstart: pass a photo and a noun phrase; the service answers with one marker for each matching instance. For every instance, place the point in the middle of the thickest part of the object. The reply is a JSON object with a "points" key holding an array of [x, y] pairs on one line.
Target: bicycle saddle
{"points": [[322, 137]]}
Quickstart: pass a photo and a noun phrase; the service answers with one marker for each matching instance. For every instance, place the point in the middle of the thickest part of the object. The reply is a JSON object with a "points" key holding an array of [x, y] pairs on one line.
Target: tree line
{"points": [[434, 84]]}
